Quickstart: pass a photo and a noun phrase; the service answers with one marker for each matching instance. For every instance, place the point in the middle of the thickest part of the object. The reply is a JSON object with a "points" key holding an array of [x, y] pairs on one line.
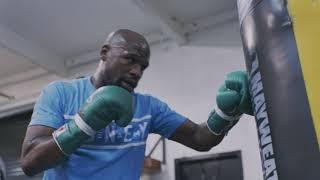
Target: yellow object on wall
{"points": [[305, 15]]}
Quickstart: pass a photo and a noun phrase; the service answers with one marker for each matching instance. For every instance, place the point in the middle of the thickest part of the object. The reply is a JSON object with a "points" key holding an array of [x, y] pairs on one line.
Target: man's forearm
{"points": [[205, 138], [40, 154], [196, 136]]}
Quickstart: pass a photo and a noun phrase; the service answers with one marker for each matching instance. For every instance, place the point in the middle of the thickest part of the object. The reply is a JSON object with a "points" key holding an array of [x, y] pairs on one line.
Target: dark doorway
{"points": [[12, 131]]}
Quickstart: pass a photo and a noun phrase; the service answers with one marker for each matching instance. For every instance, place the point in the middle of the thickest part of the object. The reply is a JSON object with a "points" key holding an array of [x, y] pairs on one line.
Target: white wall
{"points": [[187, 78]]}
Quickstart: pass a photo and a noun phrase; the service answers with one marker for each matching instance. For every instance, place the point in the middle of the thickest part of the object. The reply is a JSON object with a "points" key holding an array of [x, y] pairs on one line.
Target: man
{"points": [[96, 127]]}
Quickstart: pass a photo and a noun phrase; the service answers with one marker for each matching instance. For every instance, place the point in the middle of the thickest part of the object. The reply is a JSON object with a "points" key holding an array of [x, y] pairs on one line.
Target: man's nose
{"points": [[136, 71]]}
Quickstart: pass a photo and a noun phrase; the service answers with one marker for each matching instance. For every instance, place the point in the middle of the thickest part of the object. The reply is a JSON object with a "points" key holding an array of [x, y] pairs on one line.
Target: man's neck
{"points": [[96, 81]]}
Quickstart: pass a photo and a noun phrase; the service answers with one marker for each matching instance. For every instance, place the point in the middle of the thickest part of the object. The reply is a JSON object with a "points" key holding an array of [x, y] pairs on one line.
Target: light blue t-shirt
{"points": [[114, 152]]}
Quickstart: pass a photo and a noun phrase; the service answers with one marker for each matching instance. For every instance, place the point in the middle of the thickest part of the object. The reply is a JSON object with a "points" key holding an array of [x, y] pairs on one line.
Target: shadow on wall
{"points": [[2, 170]]}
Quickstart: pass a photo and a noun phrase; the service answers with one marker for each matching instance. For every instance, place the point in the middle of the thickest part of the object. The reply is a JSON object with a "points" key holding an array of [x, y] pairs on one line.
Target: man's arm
{"points": [[233, 100], [196, 136], [39, 150], [45, 147]]}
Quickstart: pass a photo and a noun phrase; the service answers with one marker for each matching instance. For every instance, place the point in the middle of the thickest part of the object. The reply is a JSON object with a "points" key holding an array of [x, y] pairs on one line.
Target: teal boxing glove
{"points": [[103, 106], [233, 99], [238, 81], [227, 112]]}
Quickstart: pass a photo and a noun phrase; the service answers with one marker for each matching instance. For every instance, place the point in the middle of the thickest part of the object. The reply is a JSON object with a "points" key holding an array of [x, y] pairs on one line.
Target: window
{"points": [[222, 166]]}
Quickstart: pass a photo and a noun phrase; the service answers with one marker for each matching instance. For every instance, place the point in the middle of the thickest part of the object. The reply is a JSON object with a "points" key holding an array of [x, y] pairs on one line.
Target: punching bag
{"points": [[282, 52]]}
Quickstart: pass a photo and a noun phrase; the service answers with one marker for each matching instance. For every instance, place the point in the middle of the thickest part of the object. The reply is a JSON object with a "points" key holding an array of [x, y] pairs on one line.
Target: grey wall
{"points": [[187, 78]]}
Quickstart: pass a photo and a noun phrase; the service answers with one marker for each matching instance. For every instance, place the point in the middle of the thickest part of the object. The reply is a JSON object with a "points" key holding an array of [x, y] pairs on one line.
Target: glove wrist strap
{"points": [[225, 116], [69, 137], [84, 126], [219, 123]]}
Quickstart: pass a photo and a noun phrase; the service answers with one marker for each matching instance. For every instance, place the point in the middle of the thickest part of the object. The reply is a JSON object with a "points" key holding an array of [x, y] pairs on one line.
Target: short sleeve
{"points": [[48, 108], [164, 120]]}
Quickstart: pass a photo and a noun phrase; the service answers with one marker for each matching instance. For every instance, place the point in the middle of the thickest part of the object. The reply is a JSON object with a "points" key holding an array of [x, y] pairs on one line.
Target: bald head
{"points": [[123, 59], [130, 40]]}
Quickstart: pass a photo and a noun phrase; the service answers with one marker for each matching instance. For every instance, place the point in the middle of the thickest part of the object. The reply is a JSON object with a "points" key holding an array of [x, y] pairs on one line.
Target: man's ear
{"points": [[104, 51]]}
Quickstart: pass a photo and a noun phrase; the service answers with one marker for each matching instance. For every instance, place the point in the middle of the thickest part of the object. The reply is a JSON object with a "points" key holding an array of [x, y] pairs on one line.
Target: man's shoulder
{"points": [[68, 83], [143, 96], [147, 98]]}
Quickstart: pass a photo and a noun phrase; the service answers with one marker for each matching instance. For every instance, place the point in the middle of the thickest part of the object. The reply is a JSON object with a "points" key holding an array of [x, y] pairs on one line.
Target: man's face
{"points": [[124, 66]]}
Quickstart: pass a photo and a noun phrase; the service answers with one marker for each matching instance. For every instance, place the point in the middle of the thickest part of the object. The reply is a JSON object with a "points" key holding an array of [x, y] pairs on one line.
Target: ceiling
{"points": [[44, 40]]}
